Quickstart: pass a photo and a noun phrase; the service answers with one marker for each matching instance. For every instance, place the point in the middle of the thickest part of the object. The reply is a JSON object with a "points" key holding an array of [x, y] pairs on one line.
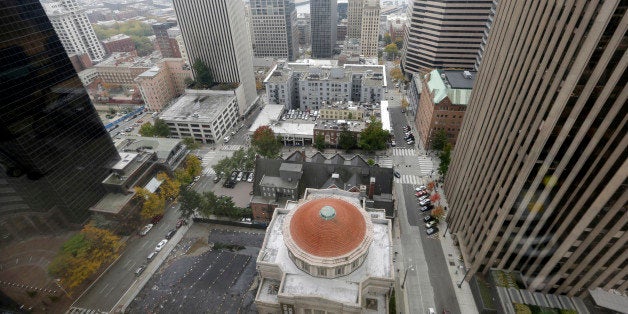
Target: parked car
{"points": [[431, 224], [431, 231], [197, 178], [421, 188], [426, 207], [397, 174], [156, 219], [229, 184], [216, 179], [423, 197], [234, 175], [144, 231], [410, 142], [421, 193], [151, 255], [424, 202], [171, 234], [240, 174], [180, 223], [250, 179], [140, 270], [161, 245], [428, 218], [393, 143]]}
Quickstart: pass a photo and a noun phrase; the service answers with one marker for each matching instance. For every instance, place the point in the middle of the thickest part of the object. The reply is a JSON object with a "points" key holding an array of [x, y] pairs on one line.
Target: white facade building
{"points": [[205, 115], [326, 253], [370, 28], [216, 33], [74, 30], [309, 84]]}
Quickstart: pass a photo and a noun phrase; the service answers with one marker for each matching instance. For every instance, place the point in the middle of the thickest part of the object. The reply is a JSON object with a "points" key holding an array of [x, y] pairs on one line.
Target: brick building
{"points": [[119, 43], [443, 101]]}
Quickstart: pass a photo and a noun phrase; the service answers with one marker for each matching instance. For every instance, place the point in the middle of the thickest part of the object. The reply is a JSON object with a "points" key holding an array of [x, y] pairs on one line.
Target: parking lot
{"points": [[197, 279]]}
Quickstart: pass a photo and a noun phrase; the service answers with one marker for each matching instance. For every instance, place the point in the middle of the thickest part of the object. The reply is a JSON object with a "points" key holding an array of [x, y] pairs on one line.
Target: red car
{"points": [[421, 193], [156, 219]]}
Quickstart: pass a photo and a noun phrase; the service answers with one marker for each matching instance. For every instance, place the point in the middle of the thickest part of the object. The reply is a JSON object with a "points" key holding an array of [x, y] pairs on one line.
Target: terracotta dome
{"points": [[328, 227]]}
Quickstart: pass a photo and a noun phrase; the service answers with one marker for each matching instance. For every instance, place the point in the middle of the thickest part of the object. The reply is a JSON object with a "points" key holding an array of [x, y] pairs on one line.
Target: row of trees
{"points": [[83, 254], [159, 129], [138, 32], [372, 138], [242, 159], [440, 142], [208, 203]]}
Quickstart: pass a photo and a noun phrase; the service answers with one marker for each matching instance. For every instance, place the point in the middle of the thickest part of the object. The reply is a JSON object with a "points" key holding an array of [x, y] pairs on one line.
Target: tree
{"points": [[431, 185], [183, 177], [161, 128], [445, 158], [439, 140], [370, 161], [319, 141], [399, 43], [83, 254], [397, 74], [347, 139], [259, 85], [438, 212], [143, 45], [169, 188], [204, 78], [190, 201], [265, 142], [193, 166], [387, 39], [154, 205], [191, 143], [404, 103], [373, 137], [147, 130], [435, 198], [391, 50]]}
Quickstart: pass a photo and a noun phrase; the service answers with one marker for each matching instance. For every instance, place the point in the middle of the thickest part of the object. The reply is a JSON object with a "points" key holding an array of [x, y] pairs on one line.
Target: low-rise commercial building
{"points": [[121, 68], [119, 43], [205, 115], [442, 103]]}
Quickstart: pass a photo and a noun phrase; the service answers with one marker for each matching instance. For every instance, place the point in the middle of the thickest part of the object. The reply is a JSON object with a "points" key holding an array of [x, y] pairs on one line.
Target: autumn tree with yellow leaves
{"points": [[169, 188], [83, 254], [152, 204]]}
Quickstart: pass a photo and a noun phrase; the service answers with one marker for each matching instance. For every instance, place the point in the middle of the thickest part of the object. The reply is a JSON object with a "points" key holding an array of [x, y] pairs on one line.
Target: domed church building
{"points": [[326, 253]]}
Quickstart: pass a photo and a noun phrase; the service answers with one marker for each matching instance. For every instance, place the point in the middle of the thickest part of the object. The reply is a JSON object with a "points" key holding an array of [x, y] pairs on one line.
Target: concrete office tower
{"points": [[215, 32], [323, 20], [370, 28], [445, 34], [354, 18], [54, 151], [274, 25], [487, 32], [74, 30], [537, 181]]}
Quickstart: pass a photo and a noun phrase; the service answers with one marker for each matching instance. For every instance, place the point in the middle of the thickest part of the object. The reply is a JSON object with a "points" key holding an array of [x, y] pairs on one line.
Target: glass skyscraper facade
{"points": [[54, 150]]}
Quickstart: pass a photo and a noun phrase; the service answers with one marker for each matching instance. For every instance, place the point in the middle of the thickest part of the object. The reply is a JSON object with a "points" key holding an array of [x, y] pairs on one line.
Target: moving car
{"points": [[393, 143], [144, 231], [431, 231], [397, 174], [161, 245]]}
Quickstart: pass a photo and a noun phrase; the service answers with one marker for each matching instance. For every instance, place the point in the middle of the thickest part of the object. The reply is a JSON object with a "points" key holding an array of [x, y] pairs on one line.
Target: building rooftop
{"points": [[129, 60], [318, 227], [116, 38], [163, 147], [439, 85], [460, 79], [125, 160], [278, 182], [614, 301], [202, 106], [269, 114], [112, 203]]}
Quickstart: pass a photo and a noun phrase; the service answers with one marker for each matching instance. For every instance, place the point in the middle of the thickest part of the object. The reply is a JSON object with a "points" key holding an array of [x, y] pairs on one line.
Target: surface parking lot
{"points": [[198, 280]]}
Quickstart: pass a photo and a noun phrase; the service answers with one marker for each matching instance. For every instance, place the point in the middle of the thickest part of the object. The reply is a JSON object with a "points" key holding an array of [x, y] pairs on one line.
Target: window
{"points": [[322, 271]]}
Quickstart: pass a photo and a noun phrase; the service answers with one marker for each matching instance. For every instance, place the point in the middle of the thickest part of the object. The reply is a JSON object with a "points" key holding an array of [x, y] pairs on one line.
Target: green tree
{"points": [[161, 128], [391, 50], [143, 45], [319, 141], [204, 78], [404, 103], [399, 43], [397, 74], [190, 201], [370, 161], [373, 137], [347, 139], [445, 158], [265, 142], [191, 143], [439, 140], [193, 166], [147, 130], [387, 39]]}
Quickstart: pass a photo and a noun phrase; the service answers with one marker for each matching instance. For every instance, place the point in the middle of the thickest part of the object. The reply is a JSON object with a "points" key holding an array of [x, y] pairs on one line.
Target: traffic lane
{"points": [[105, 293], [400, 121], [444, 294]]}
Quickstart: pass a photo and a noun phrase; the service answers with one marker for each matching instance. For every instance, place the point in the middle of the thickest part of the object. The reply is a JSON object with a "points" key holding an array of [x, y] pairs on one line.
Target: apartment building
{"points": [[163, 82]]}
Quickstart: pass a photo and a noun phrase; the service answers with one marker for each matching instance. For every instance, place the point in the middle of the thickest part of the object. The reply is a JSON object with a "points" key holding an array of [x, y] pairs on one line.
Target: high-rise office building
{"points": [[323, 26], [369, 32], [537, 181], [354, 18], [274, 26], [74, 30], [54, 150], [445, 34], [216, 33]]}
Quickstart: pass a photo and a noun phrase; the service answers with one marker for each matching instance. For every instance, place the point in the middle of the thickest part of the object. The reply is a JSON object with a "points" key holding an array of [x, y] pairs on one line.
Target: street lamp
{"points": [[60, 287], [405, 276], [466, 271]]}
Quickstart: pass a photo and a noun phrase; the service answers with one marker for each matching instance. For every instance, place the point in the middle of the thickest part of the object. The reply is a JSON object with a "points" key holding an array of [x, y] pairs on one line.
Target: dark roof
{"points": [[458, 81]]}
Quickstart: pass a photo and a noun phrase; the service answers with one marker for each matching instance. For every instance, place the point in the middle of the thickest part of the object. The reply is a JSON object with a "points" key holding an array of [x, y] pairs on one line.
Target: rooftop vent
{"points": [[467, 75]]}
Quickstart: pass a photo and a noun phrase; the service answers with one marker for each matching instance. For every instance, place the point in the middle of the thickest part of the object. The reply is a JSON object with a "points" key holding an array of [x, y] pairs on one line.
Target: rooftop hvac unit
{"points": [[467, 74]]}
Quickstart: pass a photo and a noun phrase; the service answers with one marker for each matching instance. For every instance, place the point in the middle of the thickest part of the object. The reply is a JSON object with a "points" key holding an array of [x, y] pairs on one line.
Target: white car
{"points": [[146, 229], [197, 178], [250, 179], [424, 202], [431, 224], [161, 245], [421, 188], [239, 177]]}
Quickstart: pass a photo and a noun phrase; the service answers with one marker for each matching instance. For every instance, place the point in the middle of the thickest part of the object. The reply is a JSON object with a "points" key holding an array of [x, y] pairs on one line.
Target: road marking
{"points": [[103, 288]]}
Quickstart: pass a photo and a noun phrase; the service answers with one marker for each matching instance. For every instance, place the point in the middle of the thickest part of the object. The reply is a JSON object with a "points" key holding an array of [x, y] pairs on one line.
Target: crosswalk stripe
{"points": [[404, 152], [409, 179], [426, 166], [231, 147]]}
